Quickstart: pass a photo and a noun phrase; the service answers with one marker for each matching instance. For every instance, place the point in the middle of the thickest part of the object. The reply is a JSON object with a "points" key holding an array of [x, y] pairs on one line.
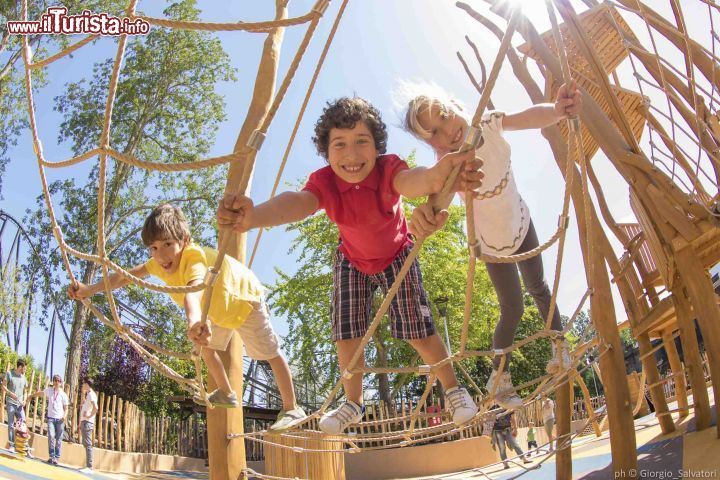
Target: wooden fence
{"points": [[119, 425], [122, 426]]}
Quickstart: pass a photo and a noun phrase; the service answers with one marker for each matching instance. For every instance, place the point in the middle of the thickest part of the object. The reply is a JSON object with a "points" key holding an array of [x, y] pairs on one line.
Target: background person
{"points": [[14, 385], [87, 421], [57, 410]]}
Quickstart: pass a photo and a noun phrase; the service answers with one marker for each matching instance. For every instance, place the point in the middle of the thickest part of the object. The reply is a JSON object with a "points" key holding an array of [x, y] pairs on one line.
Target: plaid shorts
{"points": [[352, 300]]}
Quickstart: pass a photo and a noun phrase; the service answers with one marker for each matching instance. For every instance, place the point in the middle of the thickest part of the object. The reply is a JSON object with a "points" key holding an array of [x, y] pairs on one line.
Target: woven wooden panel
{"points": [[601, 31], [632, 105]]}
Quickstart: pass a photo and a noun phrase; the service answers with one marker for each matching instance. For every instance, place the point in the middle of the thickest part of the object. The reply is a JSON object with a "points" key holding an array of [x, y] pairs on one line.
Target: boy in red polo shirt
{"points": [[360, 191]]}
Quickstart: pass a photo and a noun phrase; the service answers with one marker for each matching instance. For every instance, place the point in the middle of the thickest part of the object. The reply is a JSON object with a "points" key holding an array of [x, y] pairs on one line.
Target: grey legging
{"points": [[506, 281]]}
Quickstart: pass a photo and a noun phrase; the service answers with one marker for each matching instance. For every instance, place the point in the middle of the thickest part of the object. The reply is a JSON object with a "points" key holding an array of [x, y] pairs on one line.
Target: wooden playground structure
{"points": [[662, 275]]}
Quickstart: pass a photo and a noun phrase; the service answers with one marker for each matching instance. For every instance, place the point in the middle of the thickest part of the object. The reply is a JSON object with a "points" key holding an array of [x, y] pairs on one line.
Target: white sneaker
{"points": [[86, 470], [505, 395], [560, 350], [288, 419], [336, 421], [11, 449], [461, 405]]}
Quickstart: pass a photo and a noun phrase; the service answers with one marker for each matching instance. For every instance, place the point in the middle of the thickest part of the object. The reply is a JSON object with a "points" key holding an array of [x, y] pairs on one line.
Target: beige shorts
{"points": [[261, 342]]}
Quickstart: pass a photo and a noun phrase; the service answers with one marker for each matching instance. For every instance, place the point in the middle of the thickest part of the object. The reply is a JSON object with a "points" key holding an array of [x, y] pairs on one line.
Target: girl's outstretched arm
{"points": [[543, 115], [420, 181]]}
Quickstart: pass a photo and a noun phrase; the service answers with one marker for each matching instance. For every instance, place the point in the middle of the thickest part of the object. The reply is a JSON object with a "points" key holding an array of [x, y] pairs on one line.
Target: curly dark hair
{"points": [[345, 112]]}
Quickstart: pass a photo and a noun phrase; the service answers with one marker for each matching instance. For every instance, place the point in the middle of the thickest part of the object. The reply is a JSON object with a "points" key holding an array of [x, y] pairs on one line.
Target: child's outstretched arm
{"points": [[239, 213], [419, 181], [81, 290], [567, 104]]}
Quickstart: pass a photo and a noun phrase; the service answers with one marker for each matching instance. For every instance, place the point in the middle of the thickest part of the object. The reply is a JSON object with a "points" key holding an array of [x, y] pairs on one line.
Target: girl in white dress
{"points": [[502, 219]]}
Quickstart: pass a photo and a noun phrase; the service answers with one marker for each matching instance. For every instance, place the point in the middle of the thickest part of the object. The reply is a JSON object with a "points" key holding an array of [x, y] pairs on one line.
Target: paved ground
{"points": [[683, 454]]}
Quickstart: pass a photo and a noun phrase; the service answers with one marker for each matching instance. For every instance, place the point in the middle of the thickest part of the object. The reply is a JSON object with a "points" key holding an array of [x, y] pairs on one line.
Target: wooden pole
{"points": [[563, 411], [691, 354], [637, 308], [656, 391], [113, 421], [623, 443], [678, 372], [227, 458], [702, 296], [622, 436]]}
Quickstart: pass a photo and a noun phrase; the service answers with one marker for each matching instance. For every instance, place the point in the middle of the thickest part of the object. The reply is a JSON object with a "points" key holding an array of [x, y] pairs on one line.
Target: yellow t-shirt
{"points": [[235, 286]]}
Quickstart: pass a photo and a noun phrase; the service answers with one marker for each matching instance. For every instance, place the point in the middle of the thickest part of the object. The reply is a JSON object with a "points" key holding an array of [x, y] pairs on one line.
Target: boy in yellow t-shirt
{"points": [[237, 304]]}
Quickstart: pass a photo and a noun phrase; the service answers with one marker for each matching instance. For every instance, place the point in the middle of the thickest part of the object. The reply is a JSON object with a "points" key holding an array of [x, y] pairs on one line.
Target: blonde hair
{"points": [[413, 97]]}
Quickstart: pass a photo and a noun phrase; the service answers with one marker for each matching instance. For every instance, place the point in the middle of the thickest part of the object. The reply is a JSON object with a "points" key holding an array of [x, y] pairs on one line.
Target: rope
{"points": [[412, 433], [151, 166], [63, 53], [574, 140], [411, 437], [254, 27], [134, 340], [303, 107]]}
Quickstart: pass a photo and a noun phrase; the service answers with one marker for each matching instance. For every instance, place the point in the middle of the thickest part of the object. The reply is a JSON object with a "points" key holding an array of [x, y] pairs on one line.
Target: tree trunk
{"points": [[382, 378], [75, 345]]}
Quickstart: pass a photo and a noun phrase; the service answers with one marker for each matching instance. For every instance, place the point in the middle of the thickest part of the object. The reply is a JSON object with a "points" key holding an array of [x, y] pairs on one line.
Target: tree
{"points": [[13, 102], [165, 110], [583, 329], [14, 302]]}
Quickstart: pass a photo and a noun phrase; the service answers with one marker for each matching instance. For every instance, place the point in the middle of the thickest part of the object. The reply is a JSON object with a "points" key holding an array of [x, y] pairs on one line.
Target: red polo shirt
{"points": [[368, 214]]}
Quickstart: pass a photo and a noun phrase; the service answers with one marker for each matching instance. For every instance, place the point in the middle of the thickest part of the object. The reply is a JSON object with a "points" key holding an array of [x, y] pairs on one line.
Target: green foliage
{"points": [[10, 357], [166, 110], [583, 329], [13, 101], [14, 300]]}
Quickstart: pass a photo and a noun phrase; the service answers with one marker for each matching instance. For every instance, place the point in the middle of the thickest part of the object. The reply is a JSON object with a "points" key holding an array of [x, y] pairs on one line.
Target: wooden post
{"points": [[113, 421], [42, 408], [227, 458], [622, 437], [30, 389], [656, 391], [563, 408], [2, 397], [126, 433], [678, 372], [693, 361], [702, 296]]}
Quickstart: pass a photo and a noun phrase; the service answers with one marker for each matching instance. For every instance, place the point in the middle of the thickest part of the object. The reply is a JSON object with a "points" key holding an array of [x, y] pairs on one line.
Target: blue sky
{"points": [[379, 42]]}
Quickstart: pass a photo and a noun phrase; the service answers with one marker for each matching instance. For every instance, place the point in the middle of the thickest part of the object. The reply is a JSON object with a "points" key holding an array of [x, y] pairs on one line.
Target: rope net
{"points": [[693, 173]]}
